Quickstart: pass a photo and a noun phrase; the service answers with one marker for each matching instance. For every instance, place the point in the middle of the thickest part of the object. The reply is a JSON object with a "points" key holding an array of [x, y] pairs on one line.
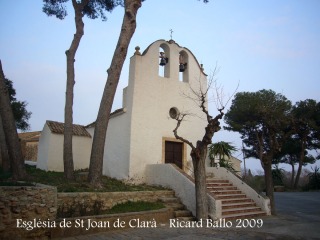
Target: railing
{"points": [[169, 175]]}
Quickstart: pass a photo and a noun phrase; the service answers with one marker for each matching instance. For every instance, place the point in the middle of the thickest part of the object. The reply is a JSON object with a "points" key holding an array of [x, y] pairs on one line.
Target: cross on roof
{"points": [[171, 31]]}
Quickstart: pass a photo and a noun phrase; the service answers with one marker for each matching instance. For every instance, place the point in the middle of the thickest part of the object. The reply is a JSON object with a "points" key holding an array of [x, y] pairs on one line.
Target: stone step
{"points": [[248, 215], [229, 196], [178, 208], [221, 187], [211, 181], [240, 210], [175, 206], [236, 200], [238, 205], [235, 204], [169, 194], [182, 213], [169, 200], [225, 192]]}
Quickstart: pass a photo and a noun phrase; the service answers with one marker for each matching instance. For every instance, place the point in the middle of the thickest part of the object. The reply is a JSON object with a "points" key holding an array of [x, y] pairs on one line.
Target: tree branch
{"points": [[175, 132]]}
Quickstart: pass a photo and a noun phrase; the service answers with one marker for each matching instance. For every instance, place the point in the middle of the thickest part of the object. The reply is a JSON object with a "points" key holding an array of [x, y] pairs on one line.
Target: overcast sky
{"points": [[268, 44]]}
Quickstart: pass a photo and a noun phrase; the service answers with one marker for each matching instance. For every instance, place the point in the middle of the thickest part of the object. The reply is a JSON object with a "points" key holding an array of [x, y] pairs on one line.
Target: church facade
{"points": [[161, 84], [161, 79]]}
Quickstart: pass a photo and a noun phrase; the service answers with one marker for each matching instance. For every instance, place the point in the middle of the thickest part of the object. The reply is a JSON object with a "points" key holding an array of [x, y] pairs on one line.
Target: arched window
{"points": [[164, 55], [183, 67]]}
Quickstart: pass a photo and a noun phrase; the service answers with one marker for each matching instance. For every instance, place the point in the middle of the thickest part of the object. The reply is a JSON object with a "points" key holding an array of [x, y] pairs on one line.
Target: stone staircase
{"points": [[179, 210], [235, 204]]}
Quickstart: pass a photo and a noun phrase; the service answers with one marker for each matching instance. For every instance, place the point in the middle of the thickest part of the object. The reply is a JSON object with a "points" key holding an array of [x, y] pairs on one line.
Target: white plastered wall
{"points": [[152, 97], [135, 136], [43, 148], [116, 153], [50, 155]]}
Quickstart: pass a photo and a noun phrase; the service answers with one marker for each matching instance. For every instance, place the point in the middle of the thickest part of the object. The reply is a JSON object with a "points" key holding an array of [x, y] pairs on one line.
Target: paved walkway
{"points": [[298, 218]]}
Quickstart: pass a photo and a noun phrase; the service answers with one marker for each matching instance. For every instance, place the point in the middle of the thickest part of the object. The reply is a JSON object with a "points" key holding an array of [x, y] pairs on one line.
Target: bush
{"points": [[314, 179], [277, 176]]}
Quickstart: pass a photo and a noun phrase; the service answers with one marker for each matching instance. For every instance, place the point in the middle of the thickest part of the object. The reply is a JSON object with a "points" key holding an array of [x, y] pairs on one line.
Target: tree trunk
{"points": [[119, 56], [269, 185], [4, 157], [301, 161], [292, 175], [198, 161], [10, 131], [68, 110]]}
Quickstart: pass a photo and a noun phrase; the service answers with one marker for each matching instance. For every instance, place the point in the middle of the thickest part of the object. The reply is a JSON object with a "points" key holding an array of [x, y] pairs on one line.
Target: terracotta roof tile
{"points": [[58, 127], [30, 136]]}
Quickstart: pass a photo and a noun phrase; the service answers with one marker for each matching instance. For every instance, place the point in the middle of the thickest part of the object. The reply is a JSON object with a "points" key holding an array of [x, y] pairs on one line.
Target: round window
{"points": [[174, 113]]}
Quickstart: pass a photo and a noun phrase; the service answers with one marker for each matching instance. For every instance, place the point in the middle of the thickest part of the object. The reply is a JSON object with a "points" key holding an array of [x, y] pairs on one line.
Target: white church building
{"points": [[141, 132], [140, 143]]}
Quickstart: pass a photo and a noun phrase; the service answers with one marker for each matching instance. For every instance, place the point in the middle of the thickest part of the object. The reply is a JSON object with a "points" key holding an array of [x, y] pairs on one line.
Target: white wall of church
{"points": [[152, 97], [135, 136], [43, 148], [116, 153], [50, 154]]}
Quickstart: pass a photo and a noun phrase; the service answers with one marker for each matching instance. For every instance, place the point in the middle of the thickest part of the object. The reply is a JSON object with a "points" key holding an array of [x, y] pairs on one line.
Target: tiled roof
{"points": [[30, 136], [58, 127]]}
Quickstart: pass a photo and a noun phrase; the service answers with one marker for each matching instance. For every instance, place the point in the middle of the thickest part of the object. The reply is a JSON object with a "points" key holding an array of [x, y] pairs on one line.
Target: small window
{"points": [[174, 113]]}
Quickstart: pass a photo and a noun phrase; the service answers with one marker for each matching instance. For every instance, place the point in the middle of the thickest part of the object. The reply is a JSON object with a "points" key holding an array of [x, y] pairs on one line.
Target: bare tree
{"points": [[199, 151], [10, 131]]}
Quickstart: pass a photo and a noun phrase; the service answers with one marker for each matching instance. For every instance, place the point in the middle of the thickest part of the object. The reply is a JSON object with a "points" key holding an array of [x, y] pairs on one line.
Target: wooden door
{"points": [[173, 153]]}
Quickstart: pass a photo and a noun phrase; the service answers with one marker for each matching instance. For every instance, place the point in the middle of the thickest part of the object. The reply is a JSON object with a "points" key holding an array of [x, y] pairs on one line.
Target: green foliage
{"points": [[314, 179], [57, 179], [94, 9], [277, 176], [256, 182], [306, 123], [20, 113], [4, 175], [83, 209], [261, 118], [226, 164], [222, 151]]}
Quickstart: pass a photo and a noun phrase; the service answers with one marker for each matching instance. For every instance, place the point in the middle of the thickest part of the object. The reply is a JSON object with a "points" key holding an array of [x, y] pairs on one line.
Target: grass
{"points": [[135, 207], [78, 210], [57, 179]]}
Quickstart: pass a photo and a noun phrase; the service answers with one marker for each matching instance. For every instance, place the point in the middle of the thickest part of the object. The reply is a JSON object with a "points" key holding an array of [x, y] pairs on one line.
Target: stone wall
{"points": [[21, 206], [30, 212], [89, 201]]}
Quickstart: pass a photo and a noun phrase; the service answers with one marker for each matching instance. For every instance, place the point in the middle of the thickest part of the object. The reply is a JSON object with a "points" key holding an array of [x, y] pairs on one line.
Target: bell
{"points": [[163, 62], [181, 67]]}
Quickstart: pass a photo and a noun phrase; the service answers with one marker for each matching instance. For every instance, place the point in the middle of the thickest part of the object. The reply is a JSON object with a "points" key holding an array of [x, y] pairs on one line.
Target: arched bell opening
{"points": [[183, 67], [164, 56]]}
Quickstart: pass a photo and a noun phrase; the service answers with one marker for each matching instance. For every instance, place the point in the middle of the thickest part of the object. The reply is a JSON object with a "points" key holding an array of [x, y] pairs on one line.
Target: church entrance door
{"points": [[173, 153]]}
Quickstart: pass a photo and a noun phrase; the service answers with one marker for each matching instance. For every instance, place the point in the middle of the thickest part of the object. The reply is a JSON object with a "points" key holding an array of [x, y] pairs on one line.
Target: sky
{"points": [[267, 44]]}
